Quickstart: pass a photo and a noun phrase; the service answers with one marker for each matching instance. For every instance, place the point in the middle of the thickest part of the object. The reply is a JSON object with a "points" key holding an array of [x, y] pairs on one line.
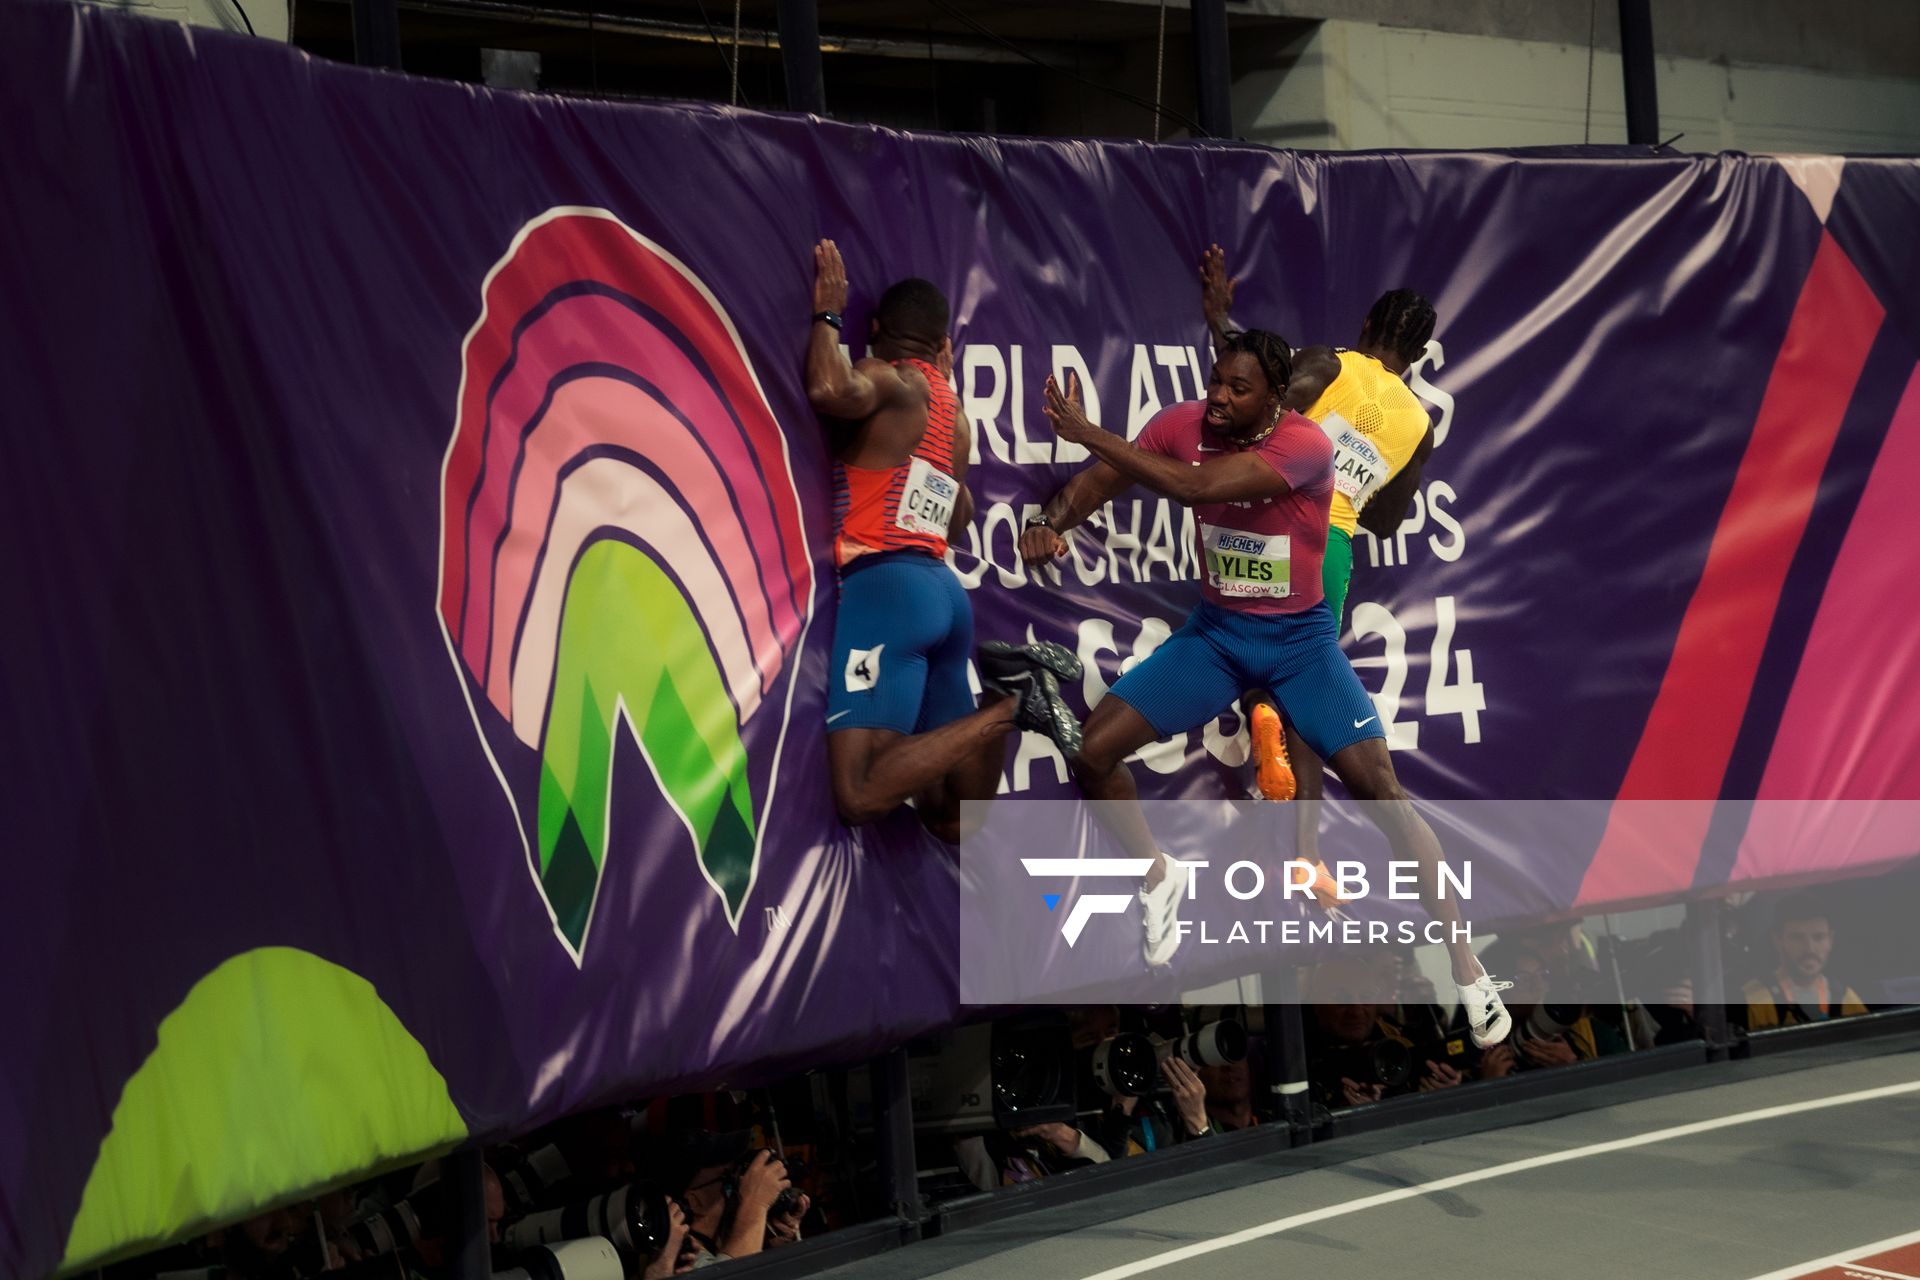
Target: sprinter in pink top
{"points": [[1260, 481]]}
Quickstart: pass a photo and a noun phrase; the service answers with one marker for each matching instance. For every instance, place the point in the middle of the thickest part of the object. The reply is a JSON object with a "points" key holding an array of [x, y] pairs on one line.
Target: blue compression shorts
{"points": [[1201, 670], [900, 645]]}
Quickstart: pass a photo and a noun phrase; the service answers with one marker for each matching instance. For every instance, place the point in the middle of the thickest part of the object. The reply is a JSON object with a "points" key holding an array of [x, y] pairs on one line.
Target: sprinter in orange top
{"points": [[901, 720]]}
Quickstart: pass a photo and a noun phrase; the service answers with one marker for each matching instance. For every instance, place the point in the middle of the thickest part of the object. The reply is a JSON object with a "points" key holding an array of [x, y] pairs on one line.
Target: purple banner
{"points": [[420, 589]]}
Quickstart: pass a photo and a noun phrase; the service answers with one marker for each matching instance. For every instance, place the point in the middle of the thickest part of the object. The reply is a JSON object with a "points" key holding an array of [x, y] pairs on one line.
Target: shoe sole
{"points": [[1273, 771], [1045, 654]]}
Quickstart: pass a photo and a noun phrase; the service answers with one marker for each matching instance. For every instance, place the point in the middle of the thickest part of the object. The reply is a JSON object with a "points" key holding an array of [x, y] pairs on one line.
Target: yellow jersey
{"points": [[1375, 425]]}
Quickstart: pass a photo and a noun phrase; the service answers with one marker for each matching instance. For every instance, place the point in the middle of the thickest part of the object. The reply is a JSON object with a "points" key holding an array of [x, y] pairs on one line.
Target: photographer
{"points": [[733, 1193], [1133, 1126], [1355, 1053], [1798, 991], [1551, 1003]]}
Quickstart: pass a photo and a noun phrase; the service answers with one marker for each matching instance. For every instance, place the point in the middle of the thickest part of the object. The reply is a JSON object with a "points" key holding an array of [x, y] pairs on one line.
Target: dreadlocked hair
{"points": [[1401, 321], [1272, 352]]}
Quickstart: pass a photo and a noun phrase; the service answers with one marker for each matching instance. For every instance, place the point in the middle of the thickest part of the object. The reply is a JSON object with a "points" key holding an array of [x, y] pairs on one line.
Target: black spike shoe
{"points": [[1032, 673]]}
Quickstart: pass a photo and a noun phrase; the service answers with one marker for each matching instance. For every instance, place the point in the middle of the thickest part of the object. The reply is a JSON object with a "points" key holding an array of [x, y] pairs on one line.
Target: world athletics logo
{"points": [[621, 544]]}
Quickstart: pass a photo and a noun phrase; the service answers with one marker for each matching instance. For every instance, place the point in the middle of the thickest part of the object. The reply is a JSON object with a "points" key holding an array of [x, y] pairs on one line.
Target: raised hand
{"points": [[1189, 1094], [665, 1262], [763, 1181], [784, 1228], [829, 278], [1064, 412], [1216, 287]]}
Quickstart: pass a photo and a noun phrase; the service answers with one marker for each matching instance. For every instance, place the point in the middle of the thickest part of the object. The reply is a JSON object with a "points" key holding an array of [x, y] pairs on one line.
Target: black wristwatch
{"points": [[831, 317], [1038, 520]]}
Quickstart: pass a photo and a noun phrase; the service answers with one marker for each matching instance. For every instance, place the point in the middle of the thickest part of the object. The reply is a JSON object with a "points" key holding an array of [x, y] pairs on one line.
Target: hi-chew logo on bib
{"points": [[1359, 468], [1246, 564], [926, 506]]}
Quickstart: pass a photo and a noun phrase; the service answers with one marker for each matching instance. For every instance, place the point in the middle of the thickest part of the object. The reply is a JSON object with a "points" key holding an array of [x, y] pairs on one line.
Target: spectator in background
{"points": [[1799, 990], [1229, 1096], [1553, 1002], [730, 1197], [1134, 1126], [1356, 1052]]}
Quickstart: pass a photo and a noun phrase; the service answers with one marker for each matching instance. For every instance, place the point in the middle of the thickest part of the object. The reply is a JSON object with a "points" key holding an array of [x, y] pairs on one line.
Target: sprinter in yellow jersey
{"points": [[1381, 438]]}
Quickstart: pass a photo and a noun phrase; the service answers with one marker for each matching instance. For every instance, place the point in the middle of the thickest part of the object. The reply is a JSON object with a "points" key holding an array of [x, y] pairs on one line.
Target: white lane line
{"points": [[1841, 1259], [1172, 1256]]}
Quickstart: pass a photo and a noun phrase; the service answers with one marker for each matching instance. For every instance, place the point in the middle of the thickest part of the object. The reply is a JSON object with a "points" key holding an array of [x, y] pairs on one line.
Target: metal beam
{"points": [[1709, 976], [468, 1252], [1636, 66], [1212, 71], [376, 33], [893, 1131], [1287, 1053], [800, 54]]}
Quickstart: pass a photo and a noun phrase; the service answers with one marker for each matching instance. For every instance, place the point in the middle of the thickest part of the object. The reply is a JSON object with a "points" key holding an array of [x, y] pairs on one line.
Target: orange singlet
{"points": [[906, 506]]}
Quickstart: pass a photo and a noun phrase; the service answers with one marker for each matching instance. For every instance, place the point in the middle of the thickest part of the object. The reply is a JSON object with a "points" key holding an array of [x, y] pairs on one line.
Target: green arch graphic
{"points": [[631, 645], [278, 1074]]}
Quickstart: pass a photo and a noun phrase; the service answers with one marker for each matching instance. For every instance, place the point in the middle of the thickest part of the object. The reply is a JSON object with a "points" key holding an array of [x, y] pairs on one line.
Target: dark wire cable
{"points": [[243, 16], [720, 45], [955, 13], [1586, 135]]}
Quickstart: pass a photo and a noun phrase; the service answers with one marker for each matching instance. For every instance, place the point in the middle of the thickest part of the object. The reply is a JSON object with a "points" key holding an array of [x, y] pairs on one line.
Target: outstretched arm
{"points": [[1232, 477]]}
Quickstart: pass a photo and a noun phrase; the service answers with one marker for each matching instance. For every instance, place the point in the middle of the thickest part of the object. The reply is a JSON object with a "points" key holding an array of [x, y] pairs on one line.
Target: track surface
{"points": [[1745, 1178]]}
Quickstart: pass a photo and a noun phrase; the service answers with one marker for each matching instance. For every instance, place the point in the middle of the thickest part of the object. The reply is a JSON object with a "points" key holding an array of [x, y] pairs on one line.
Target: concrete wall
{"points": [[1353, 85], [269, 17]]}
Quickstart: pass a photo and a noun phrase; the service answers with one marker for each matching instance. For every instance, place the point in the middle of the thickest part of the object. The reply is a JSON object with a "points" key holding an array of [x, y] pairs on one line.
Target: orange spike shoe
{"points": [[1273, 771], [1325, 890]]}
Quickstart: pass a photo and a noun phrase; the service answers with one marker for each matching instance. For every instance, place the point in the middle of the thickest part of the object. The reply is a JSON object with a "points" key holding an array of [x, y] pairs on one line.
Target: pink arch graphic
{"points": [[762, 544]]}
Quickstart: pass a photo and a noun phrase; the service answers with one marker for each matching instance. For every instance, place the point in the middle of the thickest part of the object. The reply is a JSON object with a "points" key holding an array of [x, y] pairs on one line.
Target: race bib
{"points": [[1359, 468], [926, 507], [1245, 564]]}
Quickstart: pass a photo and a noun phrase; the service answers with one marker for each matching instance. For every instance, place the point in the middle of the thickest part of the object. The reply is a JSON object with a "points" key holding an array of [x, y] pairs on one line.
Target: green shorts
{"points": [[1336, 572]]}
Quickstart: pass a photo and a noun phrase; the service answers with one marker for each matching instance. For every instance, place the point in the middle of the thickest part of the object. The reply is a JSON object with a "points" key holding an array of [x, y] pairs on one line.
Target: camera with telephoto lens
{"points": [[593, 1258], [529, 1179], [404, 1223], [1215, 1044], [1569, 997], [788, 1200], [1124, 1065], [635, 1217]]}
